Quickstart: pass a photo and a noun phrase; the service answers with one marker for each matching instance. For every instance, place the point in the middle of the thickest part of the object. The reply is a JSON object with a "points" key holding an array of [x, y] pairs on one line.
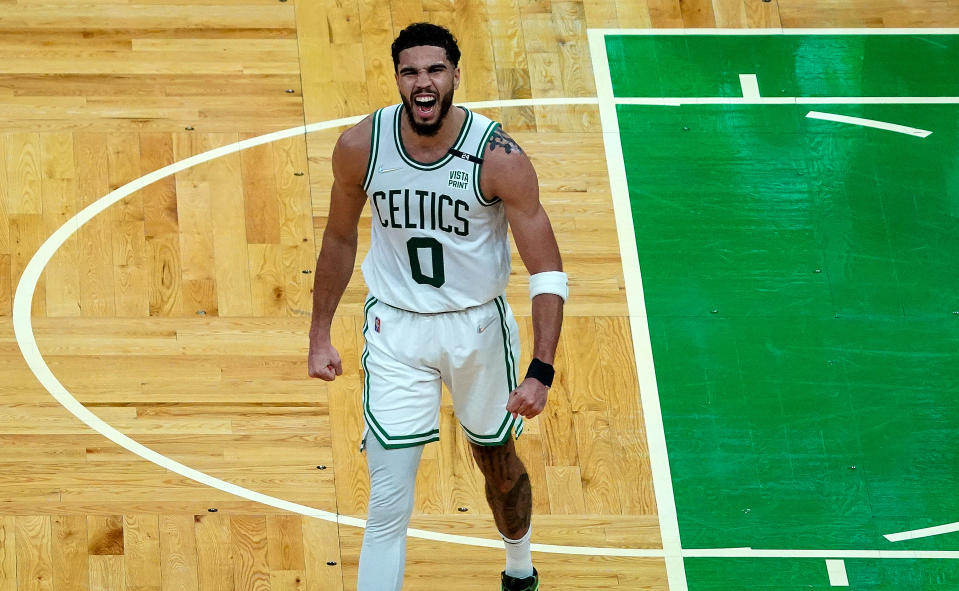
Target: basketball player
{"points": [[442, 183]]}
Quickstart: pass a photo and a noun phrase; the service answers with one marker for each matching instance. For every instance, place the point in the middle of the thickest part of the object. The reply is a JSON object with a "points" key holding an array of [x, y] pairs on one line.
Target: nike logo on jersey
{"points": [[383, 170], [482, 328]]}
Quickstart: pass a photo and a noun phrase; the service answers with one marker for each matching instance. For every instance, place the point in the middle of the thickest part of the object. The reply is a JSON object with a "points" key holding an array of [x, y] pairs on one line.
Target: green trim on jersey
{"points": [[401, 149], [374, 143], [478, 171], [386, 440]]}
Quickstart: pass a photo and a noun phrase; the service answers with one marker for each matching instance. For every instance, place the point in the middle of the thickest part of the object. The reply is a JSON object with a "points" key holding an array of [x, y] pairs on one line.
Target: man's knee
{"points": [[493, 458], [500, 465], [392, 486], [389, 514]]}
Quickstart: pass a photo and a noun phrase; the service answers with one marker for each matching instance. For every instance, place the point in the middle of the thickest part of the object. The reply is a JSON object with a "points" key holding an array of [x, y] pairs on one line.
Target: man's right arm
{"points": [[334, 266]]}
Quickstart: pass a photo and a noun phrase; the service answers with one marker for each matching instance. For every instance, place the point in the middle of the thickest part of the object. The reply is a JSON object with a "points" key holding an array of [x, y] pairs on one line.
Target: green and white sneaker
{"points": [[514, 584]]}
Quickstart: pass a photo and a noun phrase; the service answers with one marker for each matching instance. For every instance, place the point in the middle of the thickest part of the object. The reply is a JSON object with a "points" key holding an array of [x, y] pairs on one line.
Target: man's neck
{"points": [[428, 148]]}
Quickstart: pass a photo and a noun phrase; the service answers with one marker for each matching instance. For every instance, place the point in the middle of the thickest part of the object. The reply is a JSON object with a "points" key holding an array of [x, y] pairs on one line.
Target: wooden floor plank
{"points": [[634, 15], [69, 549], [107, 573], [97, 292], [215, 560], [178, 553], [4, 199], [26, 236], [23, 173], [698, 13], [565, 490], [250, 561], [262, 212], [8, 553], [129, 247], [762, 15], [6, 285], [321, 546], [665, 14], [34, 565], [731, 14], [196, 241], [105, 535], [142, 552], [285, 540], [60, 203], [377, 35]]}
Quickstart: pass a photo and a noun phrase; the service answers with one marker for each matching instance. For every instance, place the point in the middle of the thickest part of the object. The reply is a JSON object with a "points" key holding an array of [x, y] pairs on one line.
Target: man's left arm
{"points": [[509, 175]]}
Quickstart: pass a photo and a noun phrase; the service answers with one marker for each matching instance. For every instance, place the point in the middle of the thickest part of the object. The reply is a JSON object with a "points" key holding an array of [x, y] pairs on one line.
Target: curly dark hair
{"points": [[426, 34]]}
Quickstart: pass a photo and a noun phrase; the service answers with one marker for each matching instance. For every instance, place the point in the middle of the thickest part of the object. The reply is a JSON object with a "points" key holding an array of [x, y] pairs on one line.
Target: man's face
{"points": [[426, 81]]}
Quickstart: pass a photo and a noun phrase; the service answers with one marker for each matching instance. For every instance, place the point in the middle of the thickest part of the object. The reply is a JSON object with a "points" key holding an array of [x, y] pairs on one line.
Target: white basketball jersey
{"points": [[437, 243]]}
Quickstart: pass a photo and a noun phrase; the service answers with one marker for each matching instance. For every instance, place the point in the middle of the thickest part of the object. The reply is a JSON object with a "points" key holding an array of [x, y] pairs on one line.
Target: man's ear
{"points": [[456, 78]]}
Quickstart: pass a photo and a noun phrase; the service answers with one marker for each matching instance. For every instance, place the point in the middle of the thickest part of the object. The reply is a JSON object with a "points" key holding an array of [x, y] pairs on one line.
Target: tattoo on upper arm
{"points": [[500, 139]]}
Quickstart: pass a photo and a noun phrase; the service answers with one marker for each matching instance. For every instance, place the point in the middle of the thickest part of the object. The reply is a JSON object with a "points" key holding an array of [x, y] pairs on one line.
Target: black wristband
{"points": [[543, 372]]}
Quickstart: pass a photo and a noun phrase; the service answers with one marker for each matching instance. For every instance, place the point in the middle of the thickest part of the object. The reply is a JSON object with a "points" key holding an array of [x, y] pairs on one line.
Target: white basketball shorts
{"points": [[408, 356]]}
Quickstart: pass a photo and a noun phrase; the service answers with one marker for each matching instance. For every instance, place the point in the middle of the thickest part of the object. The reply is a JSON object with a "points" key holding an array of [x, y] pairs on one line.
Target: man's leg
{"points": [[510, 497], [392, 483]]}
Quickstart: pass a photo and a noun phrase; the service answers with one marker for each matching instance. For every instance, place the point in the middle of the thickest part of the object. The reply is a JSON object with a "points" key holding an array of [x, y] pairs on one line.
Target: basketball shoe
{"points": [[514, 584]]}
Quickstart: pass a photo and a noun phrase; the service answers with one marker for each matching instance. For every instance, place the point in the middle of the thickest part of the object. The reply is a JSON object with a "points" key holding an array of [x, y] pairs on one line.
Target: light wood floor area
{"points": [[179, 315]]}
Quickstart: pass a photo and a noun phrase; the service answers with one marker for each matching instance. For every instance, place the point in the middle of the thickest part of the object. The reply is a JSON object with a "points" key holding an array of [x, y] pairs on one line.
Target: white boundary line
{"points": [[925, 532], [541, 102], [836, 569], [676, 101], [750, 86], [827, 554], [648, 390], [838, 31], [922, 133]]}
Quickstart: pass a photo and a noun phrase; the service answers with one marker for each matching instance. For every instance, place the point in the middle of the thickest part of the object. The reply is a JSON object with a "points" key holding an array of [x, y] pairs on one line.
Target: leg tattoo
{"points": [[508, 490], [513, 508]]}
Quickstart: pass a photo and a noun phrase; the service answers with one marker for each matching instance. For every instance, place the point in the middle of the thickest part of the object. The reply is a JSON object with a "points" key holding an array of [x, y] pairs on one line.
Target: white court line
{"points": [[869, 123], [827, 554], [541, 102], [676, 101], [837, 573], [750, 86], [847, 31], [648, 390], [925, 532]]}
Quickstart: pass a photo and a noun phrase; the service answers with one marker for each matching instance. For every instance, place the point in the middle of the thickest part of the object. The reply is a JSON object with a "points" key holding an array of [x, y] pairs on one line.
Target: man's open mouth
{"points": [[425, 104]]}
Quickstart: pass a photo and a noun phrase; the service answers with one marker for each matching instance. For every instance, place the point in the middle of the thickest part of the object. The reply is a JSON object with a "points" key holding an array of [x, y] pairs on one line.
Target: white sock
{"points": [[519, 558]]}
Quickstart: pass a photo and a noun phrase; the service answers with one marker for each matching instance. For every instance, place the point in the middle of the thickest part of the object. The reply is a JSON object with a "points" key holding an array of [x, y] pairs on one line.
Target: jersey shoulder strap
{"points": [[484, 129], [374, 146]]}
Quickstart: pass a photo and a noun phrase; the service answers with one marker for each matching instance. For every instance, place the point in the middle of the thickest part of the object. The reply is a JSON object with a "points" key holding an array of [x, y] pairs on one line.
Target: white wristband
{"points": [[555, 282]]}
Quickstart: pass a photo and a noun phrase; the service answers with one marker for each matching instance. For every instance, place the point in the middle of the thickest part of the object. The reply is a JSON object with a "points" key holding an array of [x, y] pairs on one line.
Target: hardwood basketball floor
{"points": [[179, 315]]}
